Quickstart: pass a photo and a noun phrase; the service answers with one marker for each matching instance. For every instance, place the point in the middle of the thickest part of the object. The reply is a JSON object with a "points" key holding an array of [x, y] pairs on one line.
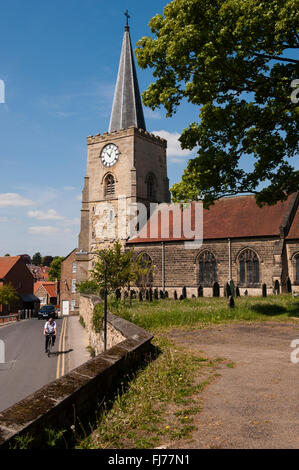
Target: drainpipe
{"points": [[230, 259], [163, 266]]}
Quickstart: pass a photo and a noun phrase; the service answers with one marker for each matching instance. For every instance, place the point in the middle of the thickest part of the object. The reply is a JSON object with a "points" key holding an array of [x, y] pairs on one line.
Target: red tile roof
{"points": [[294, 231], [6, 263], [50, 287], [231, 217]]}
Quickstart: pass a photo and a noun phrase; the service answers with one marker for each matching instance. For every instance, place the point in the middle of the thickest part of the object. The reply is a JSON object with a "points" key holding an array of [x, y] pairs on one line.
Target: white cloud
{"points": [[46, 230], [14, 200], [51, 214], [69, 188], [3, 219], [173, 144], [79, 197]]}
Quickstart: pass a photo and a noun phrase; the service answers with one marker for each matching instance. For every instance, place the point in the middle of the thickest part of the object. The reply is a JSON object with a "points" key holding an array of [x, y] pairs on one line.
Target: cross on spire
{"points": [[127, 16]]}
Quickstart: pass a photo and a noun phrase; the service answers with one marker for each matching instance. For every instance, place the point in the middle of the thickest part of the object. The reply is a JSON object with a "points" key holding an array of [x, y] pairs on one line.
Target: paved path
{"points": [[256, 403], [27, 368]]}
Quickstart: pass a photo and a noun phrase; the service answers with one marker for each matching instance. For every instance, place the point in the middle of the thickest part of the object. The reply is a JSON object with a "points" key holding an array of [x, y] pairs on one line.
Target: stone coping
{"points": [[70, 399]]}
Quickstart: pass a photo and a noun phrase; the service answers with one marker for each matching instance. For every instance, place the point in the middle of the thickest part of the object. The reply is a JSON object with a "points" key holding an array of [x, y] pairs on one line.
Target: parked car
{"points": [[46, 312]]}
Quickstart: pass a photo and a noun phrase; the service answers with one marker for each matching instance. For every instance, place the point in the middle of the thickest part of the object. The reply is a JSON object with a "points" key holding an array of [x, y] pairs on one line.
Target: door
{"points": [[65, 307]]}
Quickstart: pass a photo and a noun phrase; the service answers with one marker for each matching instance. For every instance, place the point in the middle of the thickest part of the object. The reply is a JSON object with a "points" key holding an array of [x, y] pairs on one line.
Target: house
{"points": [[13, 269], [40, 273], [68, 284], [47, 292]]}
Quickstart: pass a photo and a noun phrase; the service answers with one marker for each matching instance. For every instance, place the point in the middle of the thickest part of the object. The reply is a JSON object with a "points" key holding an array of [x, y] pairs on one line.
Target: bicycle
{"points": [[50, 343]]}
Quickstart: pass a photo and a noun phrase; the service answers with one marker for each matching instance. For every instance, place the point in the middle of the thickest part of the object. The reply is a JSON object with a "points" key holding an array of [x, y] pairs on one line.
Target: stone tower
{"points": [[126, 165]]}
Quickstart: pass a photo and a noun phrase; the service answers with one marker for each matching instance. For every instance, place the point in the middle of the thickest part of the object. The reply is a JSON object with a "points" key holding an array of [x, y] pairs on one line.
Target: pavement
{"points": [[77, 341], [255, 403]]}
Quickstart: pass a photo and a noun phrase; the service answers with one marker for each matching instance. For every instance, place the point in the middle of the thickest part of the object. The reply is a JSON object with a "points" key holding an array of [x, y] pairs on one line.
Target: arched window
{"points": [[151, 186], [146, 277], [297, 268], [249, 267], [109, 185], [207, 269]]}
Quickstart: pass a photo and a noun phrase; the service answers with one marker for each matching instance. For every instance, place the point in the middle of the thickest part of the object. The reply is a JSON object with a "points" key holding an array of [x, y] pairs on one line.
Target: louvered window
{"points": [[109, 185]]}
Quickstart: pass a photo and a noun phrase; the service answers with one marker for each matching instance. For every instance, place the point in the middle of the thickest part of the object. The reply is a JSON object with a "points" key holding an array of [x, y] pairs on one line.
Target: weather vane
{"points": [[128, 16]]}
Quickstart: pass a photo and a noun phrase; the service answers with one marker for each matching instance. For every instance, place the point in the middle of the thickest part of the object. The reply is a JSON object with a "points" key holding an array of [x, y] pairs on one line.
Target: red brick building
{"points": [[14, 270], [47, 292]]}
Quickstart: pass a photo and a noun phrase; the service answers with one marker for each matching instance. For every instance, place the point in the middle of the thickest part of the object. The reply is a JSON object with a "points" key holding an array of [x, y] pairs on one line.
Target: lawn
{"points": [[163, 314], [158, 405]]}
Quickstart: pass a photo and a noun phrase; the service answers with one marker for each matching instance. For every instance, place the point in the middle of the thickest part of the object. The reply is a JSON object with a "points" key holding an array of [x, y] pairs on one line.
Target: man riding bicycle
{"points": [[50, 332]]}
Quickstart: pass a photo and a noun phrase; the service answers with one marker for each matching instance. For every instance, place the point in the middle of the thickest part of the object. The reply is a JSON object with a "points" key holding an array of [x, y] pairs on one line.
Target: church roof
{"points": [[230, 217], [127, 107], [294, 231]]}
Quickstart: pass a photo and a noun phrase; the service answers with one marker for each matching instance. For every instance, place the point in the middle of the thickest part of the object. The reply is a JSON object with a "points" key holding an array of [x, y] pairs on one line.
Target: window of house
{"points": [[43, 300], [207, 269], [109, 185], [73, 304], [74, 268], [73, 286], [249, 267]]}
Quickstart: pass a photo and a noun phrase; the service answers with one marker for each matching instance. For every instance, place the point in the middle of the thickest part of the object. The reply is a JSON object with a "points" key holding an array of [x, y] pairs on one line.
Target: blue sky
{"points": [[59, 63]]}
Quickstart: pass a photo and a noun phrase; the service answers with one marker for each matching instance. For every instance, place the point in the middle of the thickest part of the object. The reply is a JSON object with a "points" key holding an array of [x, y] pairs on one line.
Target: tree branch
{"points": [[273, 57]]}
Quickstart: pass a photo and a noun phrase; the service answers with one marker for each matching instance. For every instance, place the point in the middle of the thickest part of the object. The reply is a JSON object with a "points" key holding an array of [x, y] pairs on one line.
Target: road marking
{"points": [[63, 349], [60, 349]]}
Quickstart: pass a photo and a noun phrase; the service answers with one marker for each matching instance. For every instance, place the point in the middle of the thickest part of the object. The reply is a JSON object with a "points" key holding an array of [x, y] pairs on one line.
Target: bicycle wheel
{"points": [[50, 345]]}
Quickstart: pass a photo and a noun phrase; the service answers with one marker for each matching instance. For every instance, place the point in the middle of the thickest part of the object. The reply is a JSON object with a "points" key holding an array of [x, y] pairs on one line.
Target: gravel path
{"points": [[254, 405]]}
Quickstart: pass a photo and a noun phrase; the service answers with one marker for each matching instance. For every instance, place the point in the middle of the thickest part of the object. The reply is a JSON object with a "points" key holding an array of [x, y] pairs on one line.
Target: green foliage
{"points": [[91, 351], [22, 442], [55, 269], [82, 322], [122, 269], [88, 287], [98, 318], [55, 438], [37, 259], [8, 294], [233, 60]]}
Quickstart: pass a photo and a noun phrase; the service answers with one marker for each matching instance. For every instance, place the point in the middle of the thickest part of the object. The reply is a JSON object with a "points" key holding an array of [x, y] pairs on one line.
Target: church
{"points": [[256, 248]]}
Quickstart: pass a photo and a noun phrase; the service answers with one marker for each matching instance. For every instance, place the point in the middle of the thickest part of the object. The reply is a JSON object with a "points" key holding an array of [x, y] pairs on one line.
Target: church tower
{"points": [[125, 165]]}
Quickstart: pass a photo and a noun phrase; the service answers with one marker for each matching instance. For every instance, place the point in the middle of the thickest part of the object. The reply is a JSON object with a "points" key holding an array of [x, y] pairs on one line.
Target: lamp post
{"points": [[84, 253]]}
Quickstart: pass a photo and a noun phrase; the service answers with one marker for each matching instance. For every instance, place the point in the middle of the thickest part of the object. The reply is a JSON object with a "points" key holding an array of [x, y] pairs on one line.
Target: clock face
{"points": [[109, 155]]}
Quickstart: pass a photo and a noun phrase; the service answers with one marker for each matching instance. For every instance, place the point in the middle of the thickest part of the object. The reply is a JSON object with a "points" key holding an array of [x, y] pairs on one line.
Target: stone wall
{"points": [[96, 340], [74, 399]]}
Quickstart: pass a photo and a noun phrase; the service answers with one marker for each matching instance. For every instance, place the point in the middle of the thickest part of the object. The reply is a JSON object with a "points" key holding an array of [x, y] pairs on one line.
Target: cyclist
{"points": [[50, 332]]}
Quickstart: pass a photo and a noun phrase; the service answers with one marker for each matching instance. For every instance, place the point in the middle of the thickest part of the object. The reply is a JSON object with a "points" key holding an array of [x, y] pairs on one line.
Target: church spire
{"points": [[127, 107]]}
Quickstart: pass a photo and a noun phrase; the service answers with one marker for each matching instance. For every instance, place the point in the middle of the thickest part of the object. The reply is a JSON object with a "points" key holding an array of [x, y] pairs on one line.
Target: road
{"points": [[27, 368]]}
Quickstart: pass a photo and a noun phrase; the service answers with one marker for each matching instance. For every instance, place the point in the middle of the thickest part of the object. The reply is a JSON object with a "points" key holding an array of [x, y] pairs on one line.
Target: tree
{"points": [[47, 260], [55, 269], [37, 259], [233, 59], [26, 258], [121, 268], [8, 294]]}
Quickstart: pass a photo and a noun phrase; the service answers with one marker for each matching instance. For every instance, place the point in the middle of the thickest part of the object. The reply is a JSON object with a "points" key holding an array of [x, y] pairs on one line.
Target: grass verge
{"points": [[159, 403]]}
